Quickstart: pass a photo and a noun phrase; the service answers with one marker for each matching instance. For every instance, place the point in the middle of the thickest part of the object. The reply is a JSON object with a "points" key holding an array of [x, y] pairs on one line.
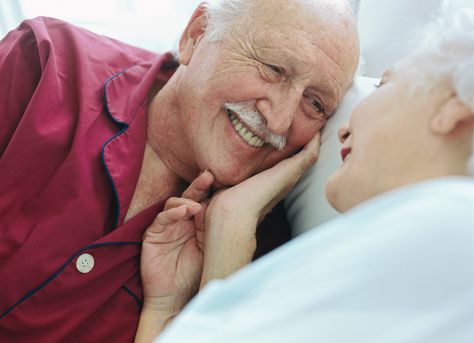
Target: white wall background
{"points": [[10, 15], [152, 24], [386, 27]]}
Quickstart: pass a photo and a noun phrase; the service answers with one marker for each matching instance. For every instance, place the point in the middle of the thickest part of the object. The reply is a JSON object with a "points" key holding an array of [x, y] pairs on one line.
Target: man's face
{"points": [[388, 142], [285, 67]]}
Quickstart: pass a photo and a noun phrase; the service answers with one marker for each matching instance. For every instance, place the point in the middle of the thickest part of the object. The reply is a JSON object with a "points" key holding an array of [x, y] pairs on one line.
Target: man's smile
{"points": [[243, 132]]}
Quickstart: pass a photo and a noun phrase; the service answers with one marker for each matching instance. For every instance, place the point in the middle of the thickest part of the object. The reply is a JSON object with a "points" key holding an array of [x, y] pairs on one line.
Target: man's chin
{"points": [[225, 180], [231, 174], [226, 183]]}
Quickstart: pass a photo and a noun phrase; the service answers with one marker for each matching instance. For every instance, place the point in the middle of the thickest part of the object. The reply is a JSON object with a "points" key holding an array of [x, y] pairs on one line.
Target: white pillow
{"points": [[307, 205]]}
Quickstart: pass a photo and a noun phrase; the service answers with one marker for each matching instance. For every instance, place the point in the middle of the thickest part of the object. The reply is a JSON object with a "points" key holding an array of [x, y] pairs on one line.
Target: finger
{"points": [[314, 144], [177, 213], [201, 215], [176, 202], [173, 215], [193, 210], [309, 154], [166, 218], [199, 188], [288, 172], [200, 224]]}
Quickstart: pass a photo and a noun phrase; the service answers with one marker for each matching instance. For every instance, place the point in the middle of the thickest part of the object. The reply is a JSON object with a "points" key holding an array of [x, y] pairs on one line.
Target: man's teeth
{"points": [[246, 135]]}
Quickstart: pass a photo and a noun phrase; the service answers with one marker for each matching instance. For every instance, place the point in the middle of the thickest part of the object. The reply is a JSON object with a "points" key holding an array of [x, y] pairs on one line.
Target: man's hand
{"points": [[172, 257], [234, 213]]}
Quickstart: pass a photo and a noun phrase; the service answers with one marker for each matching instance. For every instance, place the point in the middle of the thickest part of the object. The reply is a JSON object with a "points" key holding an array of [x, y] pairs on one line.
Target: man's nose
{"points": [[343, 133], [279, 111]]}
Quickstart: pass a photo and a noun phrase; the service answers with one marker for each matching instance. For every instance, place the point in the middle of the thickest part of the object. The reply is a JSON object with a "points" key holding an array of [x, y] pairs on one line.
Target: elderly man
{"points": [[96, 136], [398, 266]]}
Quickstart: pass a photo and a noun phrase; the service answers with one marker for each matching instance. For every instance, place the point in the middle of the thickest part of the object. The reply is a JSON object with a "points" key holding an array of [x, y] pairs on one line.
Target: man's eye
{"points": [[272, 73], [316, 104], [276, 69]]}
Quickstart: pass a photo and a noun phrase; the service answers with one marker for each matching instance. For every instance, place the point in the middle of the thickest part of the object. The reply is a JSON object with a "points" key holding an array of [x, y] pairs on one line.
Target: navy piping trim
{"points": [[114, 189], [52, 277], [134, 296], [123, 126]]}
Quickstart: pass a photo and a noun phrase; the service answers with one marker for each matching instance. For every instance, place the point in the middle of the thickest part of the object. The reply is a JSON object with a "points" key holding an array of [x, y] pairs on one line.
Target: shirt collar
{"points": [[126, 91], [125, 97]]}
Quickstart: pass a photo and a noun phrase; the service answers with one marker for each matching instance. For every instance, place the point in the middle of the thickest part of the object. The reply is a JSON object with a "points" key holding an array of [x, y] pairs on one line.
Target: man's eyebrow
{"points": [[329, 95]]}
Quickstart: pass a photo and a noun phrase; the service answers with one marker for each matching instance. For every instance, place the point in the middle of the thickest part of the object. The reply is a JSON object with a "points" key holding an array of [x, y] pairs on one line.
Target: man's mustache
{"points": [[251, 117]]}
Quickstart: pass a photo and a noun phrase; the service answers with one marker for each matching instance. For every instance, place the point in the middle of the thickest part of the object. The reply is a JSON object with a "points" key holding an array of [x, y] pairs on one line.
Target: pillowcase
{"points": [[306, 205]]}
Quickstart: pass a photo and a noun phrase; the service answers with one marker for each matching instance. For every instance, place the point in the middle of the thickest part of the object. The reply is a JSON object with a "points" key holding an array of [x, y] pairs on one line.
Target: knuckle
{"points": [[172, 200]]}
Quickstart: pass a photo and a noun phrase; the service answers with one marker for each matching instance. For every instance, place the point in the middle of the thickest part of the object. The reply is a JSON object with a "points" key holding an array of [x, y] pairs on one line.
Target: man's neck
{"points": [[165, 129], [156, 183]]}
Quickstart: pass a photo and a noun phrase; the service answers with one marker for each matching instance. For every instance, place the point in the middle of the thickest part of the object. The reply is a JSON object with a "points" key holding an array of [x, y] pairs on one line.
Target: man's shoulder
{"points": [[67, 40]]}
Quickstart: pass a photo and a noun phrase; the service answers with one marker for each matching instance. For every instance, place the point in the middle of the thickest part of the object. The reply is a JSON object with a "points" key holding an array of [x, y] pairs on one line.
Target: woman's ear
{"points": [[450, 116], [192, 34]]}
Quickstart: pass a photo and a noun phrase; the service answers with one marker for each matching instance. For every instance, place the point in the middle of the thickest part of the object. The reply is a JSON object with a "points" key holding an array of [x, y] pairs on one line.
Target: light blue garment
{"points": [[399, 268]]}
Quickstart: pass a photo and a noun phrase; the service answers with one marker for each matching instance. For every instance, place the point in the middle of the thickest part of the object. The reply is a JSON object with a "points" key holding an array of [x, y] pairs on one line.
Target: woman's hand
{"points": [[234, 213], [172, 257]]}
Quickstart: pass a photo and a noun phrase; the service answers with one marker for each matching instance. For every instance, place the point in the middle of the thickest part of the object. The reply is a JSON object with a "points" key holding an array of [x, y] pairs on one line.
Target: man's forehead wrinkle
{"points": [[299, 45], [291, 51], [244, 40], [330, 74], [343, 65], [248, 43]]}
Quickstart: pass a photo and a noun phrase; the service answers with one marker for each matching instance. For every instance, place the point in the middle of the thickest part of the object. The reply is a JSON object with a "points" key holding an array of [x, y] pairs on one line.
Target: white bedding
{"points": [[399, 268]]}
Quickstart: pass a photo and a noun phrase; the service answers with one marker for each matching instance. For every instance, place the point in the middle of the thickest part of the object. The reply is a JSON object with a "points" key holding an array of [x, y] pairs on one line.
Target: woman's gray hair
{"points": [[449, 41]]}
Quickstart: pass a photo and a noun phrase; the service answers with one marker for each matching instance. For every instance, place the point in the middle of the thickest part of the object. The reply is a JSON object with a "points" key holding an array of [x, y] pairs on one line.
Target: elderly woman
{"points": [[399, 265]]}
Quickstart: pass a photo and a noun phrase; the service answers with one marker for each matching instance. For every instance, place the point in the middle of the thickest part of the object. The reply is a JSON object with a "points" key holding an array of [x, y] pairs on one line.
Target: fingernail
{"points": [[205, 170]]}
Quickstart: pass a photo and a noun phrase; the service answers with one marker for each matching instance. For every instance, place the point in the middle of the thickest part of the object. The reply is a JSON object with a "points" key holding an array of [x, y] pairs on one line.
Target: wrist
{"points": [[156, 314], [226, 254], [164, 305]]}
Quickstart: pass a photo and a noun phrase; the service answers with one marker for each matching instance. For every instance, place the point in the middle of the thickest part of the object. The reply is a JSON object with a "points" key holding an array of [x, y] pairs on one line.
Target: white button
{"points": [[85, 263]]}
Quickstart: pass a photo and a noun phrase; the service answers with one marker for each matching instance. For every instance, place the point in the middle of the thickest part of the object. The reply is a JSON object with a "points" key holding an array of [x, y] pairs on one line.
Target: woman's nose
{"points": [[343, 133]]}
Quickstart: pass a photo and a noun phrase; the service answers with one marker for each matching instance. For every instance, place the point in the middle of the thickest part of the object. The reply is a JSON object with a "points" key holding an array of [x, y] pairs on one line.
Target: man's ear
{"points": [[192, 34], [450, 116]]}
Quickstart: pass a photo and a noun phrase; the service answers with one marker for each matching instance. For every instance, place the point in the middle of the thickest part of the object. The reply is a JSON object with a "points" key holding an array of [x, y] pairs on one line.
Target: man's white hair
{"points": [[222, 14]]}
